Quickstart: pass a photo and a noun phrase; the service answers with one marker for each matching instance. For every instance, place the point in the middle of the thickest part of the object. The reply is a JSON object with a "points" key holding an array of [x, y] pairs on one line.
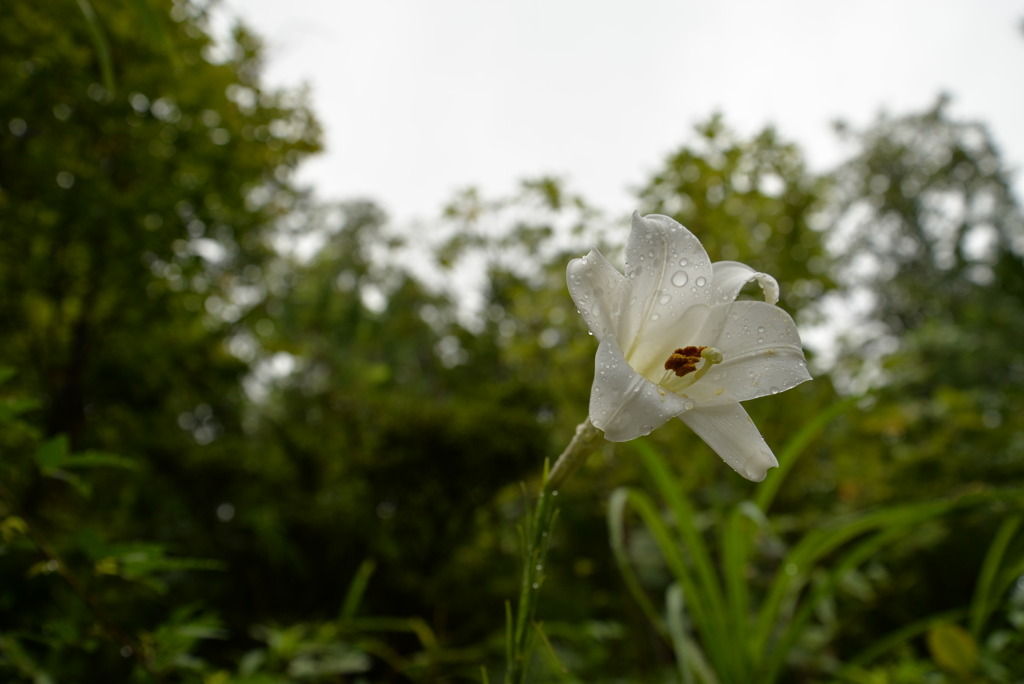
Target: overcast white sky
{"points": [[420, 98]]}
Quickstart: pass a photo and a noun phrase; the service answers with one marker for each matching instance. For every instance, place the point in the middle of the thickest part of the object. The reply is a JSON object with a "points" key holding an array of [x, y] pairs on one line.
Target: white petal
{"points": [[730, 277], [595, 288], [670, 272], [761, 350], [624, 404], [730, 432], [681, 330]]}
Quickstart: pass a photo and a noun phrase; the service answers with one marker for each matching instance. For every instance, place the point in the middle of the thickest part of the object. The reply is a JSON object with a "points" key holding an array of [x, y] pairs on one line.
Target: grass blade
{"points": [[987, 593], [736, 543], [798, 565], [689, 657], [708, 602], [357, 589], [100, 44], [894, 639], [156, 28], [616, 533], [794, 448], [708, 622]]}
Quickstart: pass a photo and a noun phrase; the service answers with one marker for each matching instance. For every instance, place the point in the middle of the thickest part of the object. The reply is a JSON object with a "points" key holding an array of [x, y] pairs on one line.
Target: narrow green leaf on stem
{"points": [[558, 665], [534, 540], [509, 637]]}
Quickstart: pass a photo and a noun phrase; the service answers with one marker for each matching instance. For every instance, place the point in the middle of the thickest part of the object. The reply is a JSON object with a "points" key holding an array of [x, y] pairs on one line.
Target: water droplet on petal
{"points": [[665, 299], [646, 429], [683, 262], [679, 278], [701, 281], [774, 390]]}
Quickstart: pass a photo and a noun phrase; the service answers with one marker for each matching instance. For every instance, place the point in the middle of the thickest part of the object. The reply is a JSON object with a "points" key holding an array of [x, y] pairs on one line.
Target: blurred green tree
{"points": [[931, 232], [135, 225], [931, 240], [753, 201], [135, 228], [393, 430]]}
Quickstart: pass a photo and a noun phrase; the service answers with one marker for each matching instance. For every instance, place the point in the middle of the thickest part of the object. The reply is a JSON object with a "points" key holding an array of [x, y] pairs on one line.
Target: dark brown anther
{"points": [[684, 361]]}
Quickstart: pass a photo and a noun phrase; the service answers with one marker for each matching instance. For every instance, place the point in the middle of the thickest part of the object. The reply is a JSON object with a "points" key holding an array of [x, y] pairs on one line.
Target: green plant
{"points": [[725, 619]]}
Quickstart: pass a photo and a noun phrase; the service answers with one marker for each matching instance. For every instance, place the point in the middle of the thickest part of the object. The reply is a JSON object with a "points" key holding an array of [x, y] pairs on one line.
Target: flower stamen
{"points": [[683, 362]]}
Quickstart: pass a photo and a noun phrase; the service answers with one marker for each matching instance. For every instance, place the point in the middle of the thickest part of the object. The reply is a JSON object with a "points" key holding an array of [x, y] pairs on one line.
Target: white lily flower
{"points": [[675, 342]]}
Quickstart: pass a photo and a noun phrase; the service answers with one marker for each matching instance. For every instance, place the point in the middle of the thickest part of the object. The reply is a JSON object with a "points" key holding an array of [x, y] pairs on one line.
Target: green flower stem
{"points": [[585, 440], [535, 538]]}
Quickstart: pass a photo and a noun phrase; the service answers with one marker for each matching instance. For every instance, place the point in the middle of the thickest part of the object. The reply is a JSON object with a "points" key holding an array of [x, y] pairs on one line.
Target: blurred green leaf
{"points": [[991, 586], [953, 648], [148, 563], [18, 656], [52, 454], [356, 589], [100, 44]]}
